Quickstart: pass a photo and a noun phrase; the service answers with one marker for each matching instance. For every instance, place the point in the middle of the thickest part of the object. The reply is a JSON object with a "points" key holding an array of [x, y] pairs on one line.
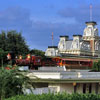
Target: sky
{"points": [[37, 19]]}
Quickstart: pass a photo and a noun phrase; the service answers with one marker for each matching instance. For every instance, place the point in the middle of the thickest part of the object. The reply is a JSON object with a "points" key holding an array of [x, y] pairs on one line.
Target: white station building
{"points": [[58, 79], [86, 45], [75, 81]]}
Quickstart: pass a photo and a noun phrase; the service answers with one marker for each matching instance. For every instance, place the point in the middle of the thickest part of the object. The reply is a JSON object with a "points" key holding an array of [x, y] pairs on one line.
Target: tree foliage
{"points": [[12, 41], [37, 53], [11, 83], [3, 57], [96, 66]]}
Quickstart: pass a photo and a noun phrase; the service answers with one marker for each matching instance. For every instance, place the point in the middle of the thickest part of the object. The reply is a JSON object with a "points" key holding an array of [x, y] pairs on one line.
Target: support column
{"points": [[92, 46]]}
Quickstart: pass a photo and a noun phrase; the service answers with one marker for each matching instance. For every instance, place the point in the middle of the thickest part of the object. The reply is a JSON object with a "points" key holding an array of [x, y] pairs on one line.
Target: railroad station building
{"points": [[86, 45], [76, 81], [70, 80]]}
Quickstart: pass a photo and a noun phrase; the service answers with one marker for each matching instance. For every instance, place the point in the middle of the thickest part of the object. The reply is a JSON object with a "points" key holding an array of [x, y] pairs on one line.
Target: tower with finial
{"points": [[86, 45], [91, 33], [91, 30]]}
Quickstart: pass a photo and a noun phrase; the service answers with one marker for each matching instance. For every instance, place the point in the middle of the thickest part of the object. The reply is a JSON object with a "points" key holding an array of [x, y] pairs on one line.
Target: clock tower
{"points": [[91, 34], [90, 31]]}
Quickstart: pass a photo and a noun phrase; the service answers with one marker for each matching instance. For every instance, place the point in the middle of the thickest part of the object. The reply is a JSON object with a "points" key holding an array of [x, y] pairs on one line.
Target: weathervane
{"points": [[52, 38]]}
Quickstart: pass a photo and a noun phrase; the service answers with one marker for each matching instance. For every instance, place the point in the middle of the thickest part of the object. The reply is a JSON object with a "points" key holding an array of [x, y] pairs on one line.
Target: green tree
{"points": [[37, 53], [11, 83], [3, 42], [12, 41], [16, 43], [96, 66], [3, 56]]}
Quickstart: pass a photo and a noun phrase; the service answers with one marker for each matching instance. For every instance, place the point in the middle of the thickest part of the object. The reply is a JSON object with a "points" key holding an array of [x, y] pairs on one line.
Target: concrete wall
{"points": [[63, 87], [69, 88], [56, 86]]}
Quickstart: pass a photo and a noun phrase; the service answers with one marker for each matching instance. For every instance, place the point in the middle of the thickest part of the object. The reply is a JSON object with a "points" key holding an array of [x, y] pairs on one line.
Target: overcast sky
{"points": [[37, 19]]}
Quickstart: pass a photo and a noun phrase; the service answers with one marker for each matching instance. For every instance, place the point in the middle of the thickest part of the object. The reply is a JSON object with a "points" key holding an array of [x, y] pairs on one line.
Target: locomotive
{"points": [[32, 61], [36, 61]]}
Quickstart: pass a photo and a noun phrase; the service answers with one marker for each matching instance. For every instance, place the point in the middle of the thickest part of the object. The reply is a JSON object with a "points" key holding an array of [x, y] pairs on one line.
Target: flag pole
{"points": [[52, 38], [90, 12]]}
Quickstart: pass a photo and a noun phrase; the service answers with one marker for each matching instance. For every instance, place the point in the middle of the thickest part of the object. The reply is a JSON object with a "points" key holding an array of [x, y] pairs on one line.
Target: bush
{"points": [[58, 96]]}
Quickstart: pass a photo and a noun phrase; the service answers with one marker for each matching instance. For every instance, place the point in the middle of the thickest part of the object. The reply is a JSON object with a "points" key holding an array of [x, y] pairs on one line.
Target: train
{"points": [[34, 62]]}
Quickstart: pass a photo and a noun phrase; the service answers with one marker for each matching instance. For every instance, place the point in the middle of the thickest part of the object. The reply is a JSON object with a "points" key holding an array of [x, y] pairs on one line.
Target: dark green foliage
{"points": [[96, 66], [37, 53], [12, 41], [57, 96], [3, 57], [11, 83]]}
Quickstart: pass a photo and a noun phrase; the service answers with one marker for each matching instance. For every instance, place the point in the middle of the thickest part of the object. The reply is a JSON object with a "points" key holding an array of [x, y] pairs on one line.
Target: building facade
{"points": [[65, 81], [86, 45]]}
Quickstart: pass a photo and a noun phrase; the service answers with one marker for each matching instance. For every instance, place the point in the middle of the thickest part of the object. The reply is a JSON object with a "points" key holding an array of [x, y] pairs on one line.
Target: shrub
{"points": [[58, 96]]}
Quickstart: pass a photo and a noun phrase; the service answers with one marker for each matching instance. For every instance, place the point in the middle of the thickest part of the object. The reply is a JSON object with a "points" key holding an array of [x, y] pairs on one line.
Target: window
{"points": [[84, 88], [90, 88], [75, 88], [87, 88]]}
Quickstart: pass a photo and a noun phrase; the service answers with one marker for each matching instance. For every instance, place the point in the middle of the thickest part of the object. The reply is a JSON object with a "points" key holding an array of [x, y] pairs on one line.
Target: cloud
{"points": [[80, 13], [14, 17], [38, 33]]}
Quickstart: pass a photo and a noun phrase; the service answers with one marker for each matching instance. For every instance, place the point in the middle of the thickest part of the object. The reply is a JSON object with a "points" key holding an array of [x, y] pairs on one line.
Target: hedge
{"points": [[57, 96]]}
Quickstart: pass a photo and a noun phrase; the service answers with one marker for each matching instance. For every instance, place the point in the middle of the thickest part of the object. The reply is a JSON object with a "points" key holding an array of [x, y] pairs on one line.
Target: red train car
{"points": [[74, 63], [48, 62], [70, 63]]}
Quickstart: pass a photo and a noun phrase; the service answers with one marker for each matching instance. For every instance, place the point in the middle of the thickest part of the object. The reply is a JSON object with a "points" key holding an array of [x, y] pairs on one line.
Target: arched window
{"points": [[97, 44]]}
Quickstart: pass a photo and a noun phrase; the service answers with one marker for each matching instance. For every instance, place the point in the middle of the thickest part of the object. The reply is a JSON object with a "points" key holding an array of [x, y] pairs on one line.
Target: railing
{"points": [[40, 90]]}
